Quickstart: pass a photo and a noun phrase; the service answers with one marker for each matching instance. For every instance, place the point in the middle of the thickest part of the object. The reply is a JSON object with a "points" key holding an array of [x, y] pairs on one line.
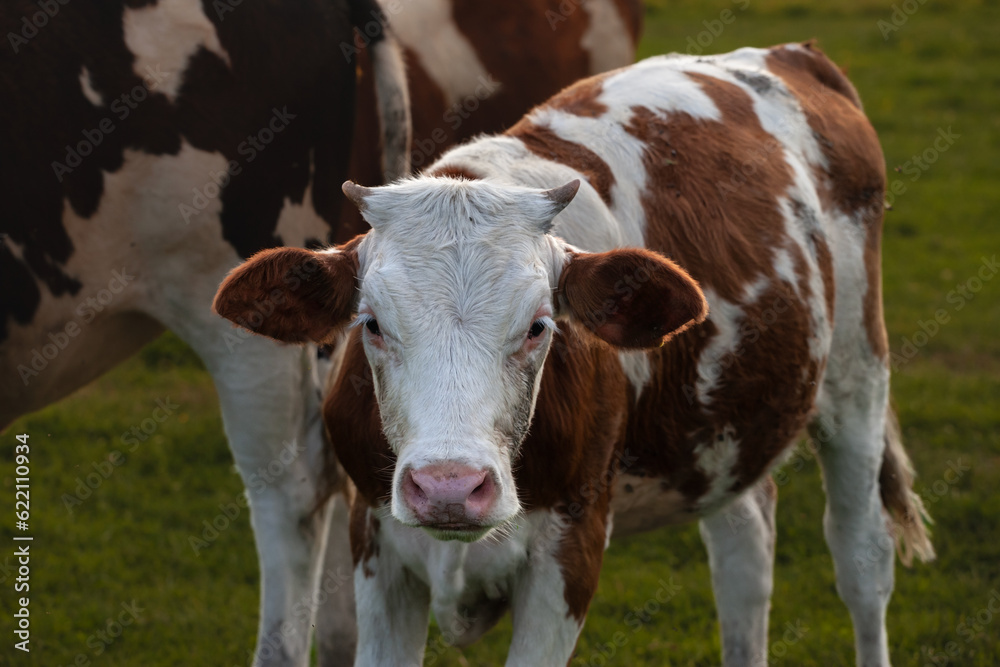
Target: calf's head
{"points": [[458, 289]]}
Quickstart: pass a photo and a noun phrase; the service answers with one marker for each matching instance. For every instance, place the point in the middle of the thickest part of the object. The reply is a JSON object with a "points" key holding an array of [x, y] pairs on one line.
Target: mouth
{"points": [[462, 532]]}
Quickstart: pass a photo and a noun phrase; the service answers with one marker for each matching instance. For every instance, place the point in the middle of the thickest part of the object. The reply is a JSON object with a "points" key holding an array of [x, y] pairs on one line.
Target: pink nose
{"points": [[449, 495]]}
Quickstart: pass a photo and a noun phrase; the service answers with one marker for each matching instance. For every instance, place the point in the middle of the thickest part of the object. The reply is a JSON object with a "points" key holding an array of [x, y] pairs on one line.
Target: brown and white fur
{"points": [[519, 343]]}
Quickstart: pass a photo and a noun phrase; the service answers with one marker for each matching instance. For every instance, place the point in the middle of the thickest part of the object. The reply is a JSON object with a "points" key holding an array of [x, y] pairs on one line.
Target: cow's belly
{"points": [[41, 365]]}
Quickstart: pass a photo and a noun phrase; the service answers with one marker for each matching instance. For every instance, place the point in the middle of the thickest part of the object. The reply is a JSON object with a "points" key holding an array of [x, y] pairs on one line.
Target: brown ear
{"points": [[290, 294], [631, 298]]}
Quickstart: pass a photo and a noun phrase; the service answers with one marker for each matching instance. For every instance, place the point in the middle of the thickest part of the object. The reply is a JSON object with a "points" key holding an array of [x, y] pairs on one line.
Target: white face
{"points": [[456, 284]]}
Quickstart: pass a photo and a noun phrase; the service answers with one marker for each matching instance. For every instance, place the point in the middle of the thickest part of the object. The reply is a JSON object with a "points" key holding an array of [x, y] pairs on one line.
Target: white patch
{"points": [[607, 40], [450, 59], [804, 191], [717, 459], [660, 84], [164, 36], [727, 317], [785, 268], [87, 87], [621, 151], [778, 110], [849, 366], [299, 222], [637, 369]]}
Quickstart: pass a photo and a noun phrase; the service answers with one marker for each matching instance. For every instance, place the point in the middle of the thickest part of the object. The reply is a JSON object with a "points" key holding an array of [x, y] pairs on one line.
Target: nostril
{"points": [[482, 496], [414, 490]]}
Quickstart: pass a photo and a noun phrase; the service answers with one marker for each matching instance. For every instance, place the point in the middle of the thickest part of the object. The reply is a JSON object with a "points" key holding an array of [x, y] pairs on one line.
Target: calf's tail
{"points": [[910, 519]]}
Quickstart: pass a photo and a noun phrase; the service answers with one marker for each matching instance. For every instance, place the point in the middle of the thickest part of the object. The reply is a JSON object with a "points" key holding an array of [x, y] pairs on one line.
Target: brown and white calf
{"points": [[528, 339]]}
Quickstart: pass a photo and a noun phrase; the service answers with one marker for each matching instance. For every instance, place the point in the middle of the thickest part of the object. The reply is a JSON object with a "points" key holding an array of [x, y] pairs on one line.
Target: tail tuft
{"points": [[909, 517]]}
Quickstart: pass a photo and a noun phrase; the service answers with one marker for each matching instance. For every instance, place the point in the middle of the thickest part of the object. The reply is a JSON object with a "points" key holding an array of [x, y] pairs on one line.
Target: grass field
{"points": [[128, 541]]}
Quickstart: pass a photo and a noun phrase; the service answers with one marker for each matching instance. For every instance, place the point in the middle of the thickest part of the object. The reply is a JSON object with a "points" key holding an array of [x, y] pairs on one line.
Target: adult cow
{"points": [[758, 172], [146, 148], [161, 142]]}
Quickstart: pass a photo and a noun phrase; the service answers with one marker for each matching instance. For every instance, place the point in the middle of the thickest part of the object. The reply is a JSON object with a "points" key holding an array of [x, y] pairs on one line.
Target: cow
{"points": [[619, 314], [147, 147], [176, 138]]}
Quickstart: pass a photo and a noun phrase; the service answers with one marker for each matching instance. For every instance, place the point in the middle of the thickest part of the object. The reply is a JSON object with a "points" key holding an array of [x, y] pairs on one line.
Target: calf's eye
{"points": [[372, 326], [536, 330]]}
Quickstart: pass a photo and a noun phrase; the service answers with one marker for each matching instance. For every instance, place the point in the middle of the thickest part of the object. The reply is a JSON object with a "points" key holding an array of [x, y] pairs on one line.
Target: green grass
{"points": [[130, 539]]}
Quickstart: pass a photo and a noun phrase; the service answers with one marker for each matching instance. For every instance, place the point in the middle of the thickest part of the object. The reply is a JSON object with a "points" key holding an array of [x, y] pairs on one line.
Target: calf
{"points": [[541, 375]]}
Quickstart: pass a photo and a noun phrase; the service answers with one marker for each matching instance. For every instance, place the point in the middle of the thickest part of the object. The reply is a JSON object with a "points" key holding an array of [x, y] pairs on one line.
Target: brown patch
{"points": [[290, 294], [352, 420], [519, 48], [824, 260], [768, 385], [714, 209], [578, 424], [715, 212], [568, 460], [580, 554], [580, 99], [546, 144], [854, 182], [631, 298], [364, 527], [454, 171]]}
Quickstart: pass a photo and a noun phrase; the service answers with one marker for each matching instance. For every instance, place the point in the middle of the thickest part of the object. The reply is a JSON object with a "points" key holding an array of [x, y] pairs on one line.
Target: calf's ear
{"points": [[292, 295], [631, 298]]}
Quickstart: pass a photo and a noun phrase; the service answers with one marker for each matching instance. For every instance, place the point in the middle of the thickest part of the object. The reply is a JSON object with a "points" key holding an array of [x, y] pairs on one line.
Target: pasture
{"points": [[143, 553]]}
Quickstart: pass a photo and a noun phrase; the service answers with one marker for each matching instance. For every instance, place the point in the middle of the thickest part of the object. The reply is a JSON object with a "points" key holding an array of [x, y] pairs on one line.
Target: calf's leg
{"points": [[740, 542], [851, 435], [550, 599], [393, 605]]}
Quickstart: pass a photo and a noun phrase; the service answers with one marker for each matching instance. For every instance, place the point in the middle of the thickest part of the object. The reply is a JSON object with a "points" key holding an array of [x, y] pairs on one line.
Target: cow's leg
{"points": [[336, 626], [393, 606], [271, 411], [550, 599], [740, 542], [851, 432], [270, 407]]}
